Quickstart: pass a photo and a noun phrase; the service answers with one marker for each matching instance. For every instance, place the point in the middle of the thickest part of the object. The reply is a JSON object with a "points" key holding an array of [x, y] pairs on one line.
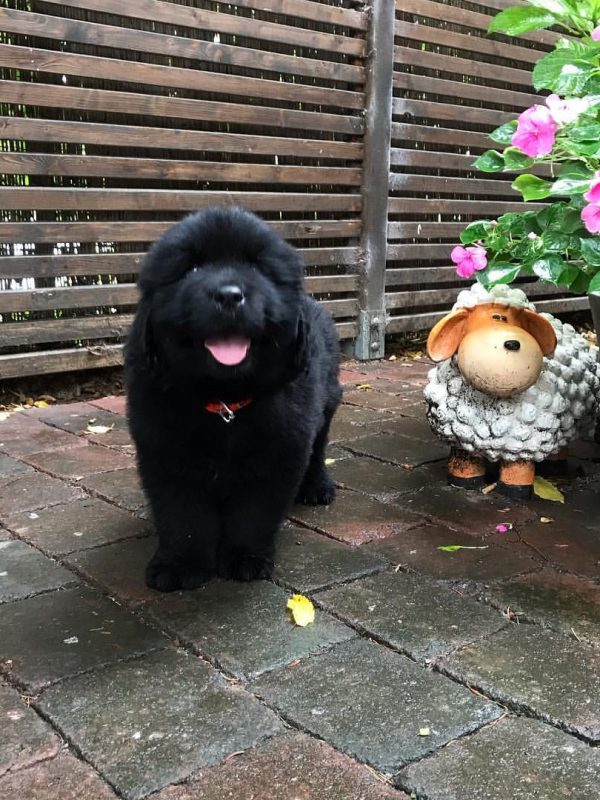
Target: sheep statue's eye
{"points": [[500, 318]]}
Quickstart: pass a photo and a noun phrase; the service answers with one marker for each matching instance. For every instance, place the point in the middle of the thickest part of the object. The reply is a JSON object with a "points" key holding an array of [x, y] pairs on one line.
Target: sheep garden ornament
{"points": [[512, 386]]}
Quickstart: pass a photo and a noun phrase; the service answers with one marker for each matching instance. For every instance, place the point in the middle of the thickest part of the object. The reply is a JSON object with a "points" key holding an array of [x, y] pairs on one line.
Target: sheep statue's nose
{"points": [[512, 344]]}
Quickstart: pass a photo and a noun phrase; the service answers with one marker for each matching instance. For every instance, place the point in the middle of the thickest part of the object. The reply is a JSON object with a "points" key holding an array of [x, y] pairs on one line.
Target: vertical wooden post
{"points": [[370, 343]]}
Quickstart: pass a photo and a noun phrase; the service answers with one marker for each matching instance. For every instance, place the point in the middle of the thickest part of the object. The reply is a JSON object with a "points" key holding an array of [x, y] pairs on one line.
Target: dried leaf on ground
{"points": [[303, 611], [547, 490]]}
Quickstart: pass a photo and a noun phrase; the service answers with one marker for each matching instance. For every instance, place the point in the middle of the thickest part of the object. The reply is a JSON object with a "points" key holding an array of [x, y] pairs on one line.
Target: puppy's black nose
{"points": [[512, 344], [229, 295]]}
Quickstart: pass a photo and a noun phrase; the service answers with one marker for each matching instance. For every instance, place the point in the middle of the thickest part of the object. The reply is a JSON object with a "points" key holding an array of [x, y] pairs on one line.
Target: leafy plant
{"points": [[555, 145]]}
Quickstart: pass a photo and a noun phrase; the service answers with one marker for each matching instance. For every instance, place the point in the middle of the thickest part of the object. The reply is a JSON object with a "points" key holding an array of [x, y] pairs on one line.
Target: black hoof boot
{"points": [[514, 491], [476, 482]]}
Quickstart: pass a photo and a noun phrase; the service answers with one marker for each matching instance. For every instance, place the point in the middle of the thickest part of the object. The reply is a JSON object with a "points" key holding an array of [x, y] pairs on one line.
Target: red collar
{"points": [[226, 411]]}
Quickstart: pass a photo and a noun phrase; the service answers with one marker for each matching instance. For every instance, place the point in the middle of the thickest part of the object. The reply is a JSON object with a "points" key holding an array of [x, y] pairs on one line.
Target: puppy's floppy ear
{"points": [[301, 347], [446, 335], [141, 339]]}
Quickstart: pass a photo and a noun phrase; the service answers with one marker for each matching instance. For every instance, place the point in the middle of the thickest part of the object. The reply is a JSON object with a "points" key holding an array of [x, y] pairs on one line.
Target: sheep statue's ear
{"points": [[541, 330], [446, 335]]}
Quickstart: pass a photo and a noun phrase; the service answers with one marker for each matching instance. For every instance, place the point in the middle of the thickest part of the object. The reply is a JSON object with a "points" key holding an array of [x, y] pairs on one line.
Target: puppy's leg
{"points": [[188, 529], [247, 545], [317, 487]]}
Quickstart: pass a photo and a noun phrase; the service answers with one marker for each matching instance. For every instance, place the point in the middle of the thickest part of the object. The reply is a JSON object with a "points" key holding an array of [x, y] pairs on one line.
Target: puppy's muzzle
{"points": [[230, 296]]}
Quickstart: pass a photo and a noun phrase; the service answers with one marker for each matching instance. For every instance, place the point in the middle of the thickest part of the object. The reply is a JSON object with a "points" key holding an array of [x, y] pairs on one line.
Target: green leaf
{"points": [[490, 161], [590, 251], [501, 273], [515, 159], [452, 548], [549, 268], [558, 7], [556, 241], [562, 72], [475, 231], [504, 134], [424, 731], [519, 19], [585, 133], [532, 187], [594, 285], [567, 186], [569, 275]]}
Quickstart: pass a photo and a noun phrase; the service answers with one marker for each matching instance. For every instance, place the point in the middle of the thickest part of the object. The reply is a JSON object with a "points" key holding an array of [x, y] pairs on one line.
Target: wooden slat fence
{"points": [[118, 117]]}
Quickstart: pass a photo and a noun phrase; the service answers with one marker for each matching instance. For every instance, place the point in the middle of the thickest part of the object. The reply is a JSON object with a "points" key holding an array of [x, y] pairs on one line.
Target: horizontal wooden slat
{"points": [[425, 230], [109, 326], [403, 182], [124, 72], [173, 169], [456, 88], [461, 66], [448, 111], [37, 130], [416, 252], [221, 22], [309, 9], [18, 364], [444, 136], [480, 208], [47, 26], [151, 105], [123, 294], [165, 199]]}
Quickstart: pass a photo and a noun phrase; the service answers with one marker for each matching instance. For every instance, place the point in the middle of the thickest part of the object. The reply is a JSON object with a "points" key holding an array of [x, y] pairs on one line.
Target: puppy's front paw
{"points": [[317, 493], [167, 576], [244, 566]]}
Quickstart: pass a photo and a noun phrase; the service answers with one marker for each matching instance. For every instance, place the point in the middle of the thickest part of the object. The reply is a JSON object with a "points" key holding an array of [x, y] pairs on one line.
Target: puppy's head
{"points": [[221, 300]]}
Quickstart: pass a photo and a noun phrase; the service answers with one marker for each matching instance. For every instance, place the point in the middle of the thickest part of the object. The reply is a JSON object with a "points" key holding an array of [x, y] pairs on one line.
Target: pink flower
{"points": [[596, 34], [536, 132], [593, 195], [504, 527], [565, 111], [469, 260], [591, 217]]}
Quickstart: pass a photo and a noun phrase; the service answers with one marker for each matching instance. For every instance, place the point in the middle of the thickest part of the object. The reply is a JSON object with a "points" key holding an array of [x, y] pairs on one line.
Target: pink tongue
{"points": [[228, 351]]}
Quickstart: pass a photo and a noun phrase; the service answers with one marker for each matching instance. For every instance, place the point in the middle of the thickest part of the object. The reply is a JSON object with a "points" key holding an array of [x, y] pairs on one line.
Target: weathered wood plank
{"points": [[166, 199], [111, 135], [222, 22], [443, 205], [309, 9], [403, 182], [152, 105], [459, 87], [124, 72], [451, 112], [209, 52], [173, 169], [68, 329], [462, 66]]}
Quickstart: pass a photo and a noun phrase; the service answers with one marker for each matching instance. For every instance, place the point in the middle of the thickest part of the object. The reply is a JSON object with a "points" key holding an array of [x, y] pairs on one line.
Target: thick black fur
{"points": [[219, 491]]}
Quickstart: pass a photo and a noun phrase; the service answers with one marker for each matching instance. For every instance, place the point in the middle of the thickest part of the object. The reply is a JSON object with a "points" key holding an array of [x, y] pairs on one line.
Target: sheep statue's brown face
{"points": [[499, 348]]}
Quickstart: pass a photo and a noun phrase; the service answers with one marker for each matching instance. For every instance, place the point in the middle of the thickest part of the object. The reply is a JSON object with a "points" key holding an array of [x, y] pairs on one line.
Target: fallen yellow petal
{"points": [[546, 490], [303, 611]]}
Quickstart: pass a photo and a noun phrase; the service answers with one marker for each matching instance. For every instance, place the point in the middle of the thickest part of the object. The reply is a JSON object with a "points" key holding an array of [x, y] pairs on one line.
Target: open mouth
{"points": [[229, 351]]}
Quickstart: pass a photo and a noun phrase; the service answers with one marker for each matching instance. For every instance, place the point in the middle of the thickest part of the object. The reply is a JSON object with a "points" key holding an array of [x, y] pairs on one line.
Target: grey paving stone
{"points": [[398, 449], [118, 568], [552, 676], [288, 767], [121, 486], [246, 627], [355, 518], [75, 417], [32, 491], [562, 602], [62, 778], [24, 572], [371, 703], [566, 542], [80, 461], [384, 481], [25, 737], [417, 549], [515, 758], [351, 422], [4, 535], [306, 561], [29, 436], [414, 614], [151, 722], [52, 636], [77, 525], [10, 466]]}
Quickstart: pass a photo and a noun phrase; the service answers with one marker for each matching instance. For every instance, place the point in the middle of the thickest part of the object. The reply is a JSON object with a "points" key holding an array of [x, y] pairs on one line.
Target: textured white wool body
{"points": [[561, 406]]}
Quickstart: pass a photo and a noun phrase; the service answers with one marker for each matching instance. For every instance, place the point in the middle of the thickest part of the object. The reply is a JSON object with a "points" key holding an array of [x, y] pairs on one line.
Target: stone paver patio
{"points": [[466, 675]]}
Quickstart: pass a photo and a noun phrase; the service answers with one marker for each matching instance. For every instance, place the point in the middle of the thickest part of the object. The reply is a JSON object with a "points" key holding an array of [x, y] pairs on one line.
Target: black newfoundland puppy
{"points": [[232, 377]]}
